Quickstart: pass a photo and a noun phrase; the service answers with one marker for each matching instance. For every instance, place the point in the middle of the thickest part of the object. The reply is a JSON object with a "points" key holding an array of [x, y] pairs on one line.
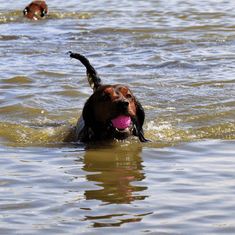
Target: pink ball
{"points": [[121, 122]]}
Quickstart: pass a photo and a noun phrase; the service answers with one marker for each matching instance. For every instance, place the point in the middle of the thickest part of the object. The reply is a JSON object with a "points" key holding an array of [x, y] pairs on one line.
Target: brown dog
{"points": [[36, 10], [111, 111]]}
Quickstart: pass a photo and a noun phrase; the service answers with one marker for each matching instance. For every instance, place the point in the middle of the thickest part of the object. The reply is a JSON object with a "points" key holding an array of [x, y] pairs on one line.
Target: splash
{"points": [[171, 133]]}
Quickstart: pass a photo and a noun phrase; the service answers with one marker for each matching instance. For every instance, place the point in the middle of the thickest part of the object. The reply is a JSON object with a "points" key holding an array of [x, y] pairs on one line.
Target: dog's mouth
{"points": [[126, 130], [122, 126], [121, 122]]}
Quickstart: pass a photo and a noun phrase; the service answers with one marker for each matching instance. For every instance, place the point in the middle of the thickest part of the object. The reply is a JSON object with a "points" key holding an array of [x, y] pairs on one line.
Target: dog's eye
{"points": [[129, 96], [105, 97]]}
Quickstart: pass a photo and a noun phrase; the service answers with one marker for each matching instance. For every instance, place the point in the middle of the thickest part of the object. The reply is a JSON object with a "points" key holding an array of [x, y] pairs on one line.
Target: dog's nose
{"points": [[122, 103]]}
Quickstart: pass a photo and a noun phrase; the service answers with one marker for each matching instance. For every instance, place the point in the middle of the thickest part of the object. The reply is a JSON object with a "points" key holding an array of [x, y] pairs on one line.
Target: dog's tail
{"points": [[93, 77]]}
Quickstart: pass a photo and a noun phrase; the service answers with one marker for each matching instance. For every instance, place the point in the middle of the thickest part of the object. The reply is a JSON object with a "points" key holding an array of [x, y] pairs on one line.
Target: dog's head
{"points": [[36, 10], [108, 103]]}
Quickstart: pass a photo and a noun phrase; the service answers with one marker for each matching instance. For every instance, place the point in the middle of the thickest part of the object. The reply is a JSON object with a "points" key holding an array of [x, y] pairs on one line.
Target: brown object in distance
{"points": [[36, 10]]}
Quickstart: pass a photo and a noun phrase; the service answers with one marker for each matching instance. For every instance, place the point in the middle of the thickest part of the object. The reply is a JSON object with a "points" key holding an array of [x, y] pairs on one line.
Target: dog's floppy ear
{"points": [[84, 133], [138, 121], [139, 113], [90, 121], [43, 12], [88, 113]]}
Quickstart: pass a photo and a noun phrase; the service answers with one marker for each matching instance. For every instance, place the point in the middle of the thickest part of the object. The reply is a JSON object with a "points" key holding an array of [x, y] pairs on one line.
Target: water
{"points": [[177, 57]]}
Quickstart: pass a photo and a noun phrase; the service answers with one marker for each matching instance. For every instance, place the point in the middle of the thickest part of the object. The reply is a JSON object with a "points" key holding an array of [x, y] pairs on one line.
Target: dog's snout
{"points": [[122, 103]]}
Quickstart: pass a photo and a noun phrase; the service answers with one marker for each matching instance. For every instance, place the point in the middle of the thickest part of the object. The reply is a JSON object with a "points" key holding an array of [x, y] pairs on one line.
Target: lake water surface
{"points": [[178, 58]]}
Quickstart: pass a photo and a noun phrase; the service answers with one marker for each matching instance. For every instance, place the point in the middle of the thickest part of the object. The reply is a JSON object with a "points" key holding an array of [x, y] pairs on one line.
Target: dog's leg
{"points": [[93, 77]]}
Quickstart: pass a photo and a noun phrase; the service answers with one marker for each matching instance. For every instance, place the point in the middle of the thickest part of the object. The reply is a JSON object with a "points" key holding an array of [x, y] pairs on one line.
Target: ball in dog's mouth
{"points": [[122, 127], [121, 122]]}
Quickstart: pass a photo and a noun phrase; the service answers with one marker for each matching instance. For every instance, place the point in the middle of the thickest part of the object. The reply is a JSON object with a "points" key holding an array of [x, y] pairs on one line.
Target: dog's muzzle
{"points": [[119, 133]]}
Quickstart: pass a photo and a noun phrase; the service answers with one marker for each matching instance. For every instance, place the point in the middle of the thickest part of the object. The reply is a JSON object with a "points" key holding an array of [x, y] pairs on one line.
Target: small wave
{"points": [[70, 15], [17, 16], [167, 132], [16, 79], [28, 135]]}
